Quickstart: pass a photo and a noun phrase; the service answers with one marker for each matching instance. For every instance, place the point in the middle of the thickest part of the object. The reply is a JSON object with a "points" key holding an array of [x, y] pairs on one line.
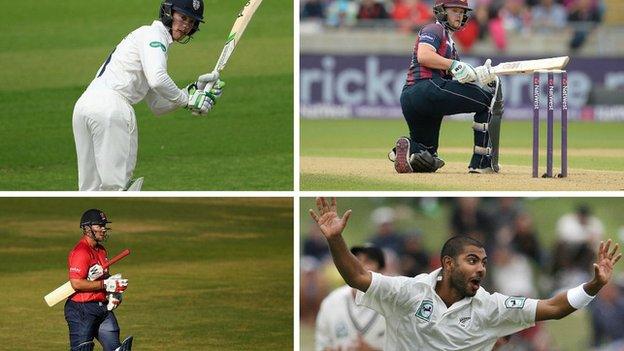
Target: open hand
{"points": [[603, 268], [331, 225]]}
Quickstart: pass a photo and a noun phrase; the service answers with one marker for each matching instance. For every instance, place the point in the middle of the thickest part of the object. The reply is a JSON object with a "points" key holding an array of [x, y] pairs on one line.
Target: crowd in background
{"points": [[493, 19], [519, 264]]}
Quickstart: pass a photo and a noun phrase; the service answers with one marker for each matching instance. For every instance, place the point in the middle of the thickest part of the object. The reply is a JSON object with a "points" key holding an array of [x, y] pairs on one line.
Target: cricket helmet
{"points": [[191, 8], [439, 11], [93, 216], [373, 252]]}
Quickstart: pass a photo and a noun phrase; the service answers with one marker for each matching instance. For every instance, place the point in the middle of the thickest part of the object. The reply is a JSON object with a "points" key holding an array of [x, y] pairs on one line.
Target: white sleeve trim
{"points": [[433, 47]]}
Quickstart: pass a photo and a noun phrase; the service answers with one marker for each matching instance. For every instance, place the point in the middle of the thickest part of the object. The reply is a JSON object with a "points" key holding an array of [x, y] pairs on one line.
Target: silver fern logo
{"points": [[196, 5]]}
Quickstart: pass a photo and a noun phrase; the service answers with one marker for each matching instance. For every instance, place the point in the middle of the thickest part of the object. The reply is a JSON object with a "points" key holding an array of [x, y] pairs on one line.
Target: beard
{"points": [[459, 282]]}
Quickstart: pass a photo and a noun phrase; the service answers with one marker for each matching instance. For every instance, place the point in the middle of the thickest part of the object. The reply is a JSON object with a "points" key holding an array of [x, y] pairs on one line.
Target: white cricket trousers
{"points": [[106, 137]]}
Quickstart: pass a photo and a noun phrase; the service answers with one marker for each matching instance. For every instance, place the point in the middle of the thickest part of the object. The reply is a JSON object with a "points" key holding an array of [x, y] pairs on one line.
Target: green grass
{"points": [[50, 51], [353, 183], [570, 333], [374, 138], [204, 274]]}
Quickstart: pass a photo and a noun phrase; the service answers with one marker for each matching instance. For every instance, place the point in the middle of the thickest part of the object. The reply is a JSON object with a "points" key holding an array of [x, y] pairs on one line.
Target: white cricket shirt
{"points": [[340, 321], [418, 319], [138, 65]]}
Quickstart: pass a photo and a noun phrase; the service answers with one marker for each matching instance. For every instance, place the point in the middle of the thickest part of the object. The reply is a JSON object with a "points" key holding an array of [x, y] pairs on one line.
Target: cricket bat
{"points": [[243, 18], [64, 291], [528, 66]]}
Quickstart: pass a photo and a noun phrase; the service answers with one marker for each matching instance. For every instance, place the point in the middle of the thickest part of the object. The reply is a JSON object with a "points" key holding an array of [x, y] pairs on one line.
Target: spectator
{"points": [[508, 263], [583, 18], [415, 259], [516, 16], [469, 219], [411, 15], [525, 237], [312, 289], [313, 9], [371, 10], [504, 211], [548, 16], [342, 13], [314, 245], [386, 236], [577, 235], [580, 228], [607, 313], [485, 22]]}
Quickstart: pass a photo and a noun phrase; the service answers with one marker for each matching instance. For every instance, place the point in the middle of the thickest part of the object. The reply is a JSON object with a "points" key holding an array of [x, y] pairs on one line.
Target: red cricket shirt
{"points": [[80, 259]]}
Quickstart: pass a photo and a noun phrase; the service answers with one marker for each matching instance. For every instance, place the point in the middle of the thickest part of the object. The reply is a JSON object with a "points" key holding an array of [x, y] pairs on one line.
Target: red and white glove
{"points": [[114, 300], [95, 272], [115, 284]]}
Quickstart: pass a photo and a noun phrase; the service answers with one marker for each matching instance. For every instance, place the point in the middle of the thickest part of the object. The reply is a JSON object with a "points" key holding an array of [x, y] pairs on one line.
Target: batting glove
{"points": [[211, 79], [114, 300], [201, 102], [463, 72], [95, 272], [484, 73], [115, 284]]}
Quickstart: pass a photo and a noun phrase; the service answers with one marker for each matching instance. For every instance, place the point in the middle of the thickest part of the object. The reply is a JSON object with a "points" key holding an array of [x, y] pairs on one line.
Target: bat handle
{"points": [[205, 86], [121, 255]]}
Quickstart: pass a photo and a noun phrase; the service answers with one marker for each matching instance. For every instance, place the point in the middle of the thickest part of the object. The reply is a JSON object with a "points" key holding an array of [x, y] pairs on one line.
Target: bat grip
{"points": [[115, 259], [205, 86]]}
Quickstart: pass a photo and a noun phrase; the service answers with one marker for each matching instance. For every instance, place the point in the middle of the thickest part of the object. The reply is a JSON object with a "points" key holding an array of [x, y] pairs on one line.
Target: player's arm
{"points": [[332, 226], [565, 303], [86, 285], [428, 57], [152, 53], [462, 71], [158, 105]]}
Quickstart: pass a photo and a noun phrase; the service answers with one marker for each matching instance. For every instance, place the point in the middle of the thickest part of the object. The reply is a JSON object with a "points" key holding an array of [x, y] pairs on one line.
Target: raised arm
{"points": [[565, 303], [332, 227]]}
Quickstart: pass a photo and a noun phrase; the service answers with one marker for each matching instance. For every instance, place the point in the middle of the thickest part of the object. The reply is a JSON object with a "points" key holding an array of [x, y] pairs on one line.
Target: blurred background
{"points": [[536, 248]]}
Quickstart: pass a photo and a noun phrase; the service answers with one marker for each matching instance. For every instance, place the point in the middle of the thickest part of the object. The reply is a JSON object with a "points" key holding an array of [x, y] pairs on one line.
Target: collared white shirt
{"points": [[340, 321], [138, 66], [418, 319]]}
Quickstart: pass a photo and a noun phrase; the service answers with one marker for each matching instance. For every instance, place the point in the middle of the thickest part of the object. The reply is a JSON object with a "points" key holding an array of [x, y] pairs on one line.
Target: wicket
{"points": [[550, 107]]}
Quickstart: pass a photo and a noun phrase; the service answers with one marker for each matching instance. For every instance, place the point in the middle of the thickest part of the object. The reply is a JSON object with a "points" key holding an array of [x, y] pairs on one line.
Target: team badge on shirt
{"points": [[195, 5], [515, 302], [341, 330], [157, 44], [464, 321], [425, 310]]}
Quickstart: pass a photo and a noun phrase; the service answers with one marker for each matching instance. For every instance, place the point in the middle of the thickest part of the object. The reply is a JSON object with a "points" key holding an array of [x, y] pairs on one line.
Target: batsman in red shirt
{"points": [[89, 311]]}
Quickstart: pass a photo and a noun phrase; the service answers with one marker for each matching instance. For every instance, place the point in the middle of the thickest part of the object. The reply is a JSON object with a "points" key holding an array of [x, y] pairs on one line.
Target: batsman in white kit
{"points": [[447, 309], [104, 122], [342, 325]]}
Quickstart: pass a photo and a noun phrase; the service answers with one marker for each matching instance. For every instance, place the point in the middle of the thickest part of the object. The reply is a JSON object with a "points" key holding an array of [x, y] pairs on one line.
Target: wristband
{"points": [[578, 298]]}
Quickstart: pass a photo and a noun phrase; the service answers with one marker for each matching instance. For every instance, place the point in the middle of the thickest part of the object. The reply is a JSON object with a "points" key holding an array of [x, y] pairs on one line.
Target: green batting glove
{"points": [[216, 91]]}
